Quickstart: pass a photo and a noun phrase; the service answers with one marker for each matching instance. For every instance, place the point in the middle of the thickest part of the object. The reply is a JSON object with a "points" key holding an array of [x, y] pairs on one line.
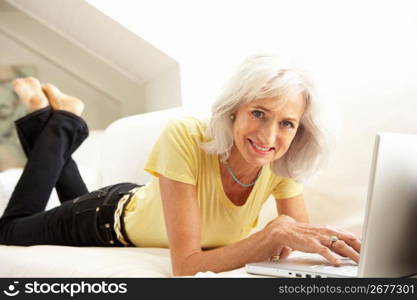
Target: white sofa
{"points": [[106, 157]]}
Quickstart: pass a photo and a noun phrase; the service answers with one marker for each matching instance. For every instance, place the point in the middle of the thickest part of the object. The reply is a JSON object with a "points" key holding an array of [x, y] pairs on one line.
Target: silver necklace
{"points": [[237, 180]]}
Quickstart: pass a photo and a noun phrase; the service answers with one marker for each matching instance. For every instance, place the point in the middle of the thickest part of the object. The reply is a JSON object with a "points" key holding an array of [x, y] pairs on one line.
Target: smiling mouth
{"points": [[259, 148]]}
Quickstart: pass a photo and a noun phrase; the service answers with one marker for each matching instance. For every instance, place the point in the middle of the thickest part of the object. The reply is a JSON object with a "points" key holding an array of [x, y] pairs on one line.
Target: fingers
{"points": [[343, 249], [344, 235], [346, 244], [329, 255], [285, 252], [329, 242], [351, 240]]}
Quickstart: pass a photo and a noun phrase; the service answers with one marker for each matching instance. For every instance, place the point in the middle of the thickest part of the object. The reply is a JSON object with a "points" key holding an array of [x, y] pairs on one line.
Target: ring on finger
{"points": [[332, 240]]}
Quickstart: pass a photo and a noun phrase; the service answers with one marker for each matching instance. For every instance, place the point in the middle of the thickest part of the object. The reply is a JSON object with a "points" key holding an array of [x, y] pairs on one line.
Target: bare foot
{"points": [[30, 93], [61, 101]]}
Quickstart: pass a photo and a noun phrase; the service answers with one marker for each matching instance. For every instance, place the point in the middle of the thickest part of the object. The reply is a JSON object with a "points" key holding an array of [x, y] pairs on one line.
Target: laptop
{"points": [[389, 247]]}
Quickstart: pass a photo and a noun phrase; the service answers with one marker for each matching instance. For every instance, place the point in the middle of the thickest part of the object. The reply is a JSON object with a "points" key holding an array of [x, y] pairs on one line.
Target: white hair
{"points": [[265, 76]]}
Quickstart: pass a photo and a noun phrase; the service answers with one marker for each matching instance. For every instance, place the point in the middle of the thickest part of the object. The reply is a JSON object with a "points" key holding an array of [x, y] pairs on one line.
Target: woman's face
{"points": [[264, 128]]}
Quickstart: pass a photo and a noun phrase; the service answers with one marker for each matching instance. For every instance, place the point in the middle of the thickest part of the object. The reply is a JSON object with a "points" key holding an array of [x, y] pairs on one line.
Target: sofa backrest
{"points": [[127, 143]]}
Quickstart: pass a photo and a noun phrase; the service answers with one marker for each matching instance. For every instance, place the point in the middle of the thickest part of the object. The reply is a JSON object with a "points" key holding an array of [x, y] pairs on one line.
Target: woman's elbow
{"points": [[185, 266]]}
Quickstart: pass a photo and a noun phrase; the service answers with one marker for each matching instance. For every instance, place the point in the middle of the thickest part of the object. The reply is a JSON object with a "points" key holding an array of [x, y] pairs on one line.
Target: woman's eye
{"points": [[258, 114], [287, 124]]}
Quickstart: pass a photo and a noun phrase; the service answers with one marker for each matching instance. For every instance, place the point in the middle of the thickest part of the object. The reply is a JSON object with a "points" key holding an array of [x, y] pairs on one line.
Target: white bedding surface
{"points": [[61, 261]]}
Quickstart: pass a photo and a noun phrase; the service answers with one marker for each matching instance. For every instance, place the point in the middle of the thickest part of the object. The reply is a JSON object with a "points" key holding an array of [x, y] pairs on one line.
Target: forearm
{"points": [[257, 247], [293, 207]]}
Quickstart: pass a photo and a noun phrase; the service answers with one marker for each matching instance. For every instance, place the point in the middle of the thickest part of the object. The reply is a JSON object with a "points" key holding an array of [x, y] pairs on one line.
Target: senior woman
{"points": [[209, 180]]}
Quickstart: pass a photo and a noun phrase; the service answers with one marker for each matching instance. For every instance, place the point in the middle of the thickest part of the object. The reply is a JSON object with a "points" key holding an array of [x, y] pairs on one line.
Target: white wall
{"points": [[163, 91], [361, 54]]}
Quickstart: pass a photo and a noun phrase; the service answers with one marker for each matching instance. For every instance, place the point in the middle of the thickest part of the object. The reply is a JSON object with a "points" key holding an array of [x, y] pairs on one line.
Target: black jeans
{"points": [[48, 139]]}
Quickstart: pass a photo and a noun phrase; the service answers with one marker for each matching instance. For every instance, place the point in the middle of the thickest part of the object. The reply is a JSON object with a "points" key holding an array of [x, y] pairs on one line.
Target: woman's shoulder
{"points": [[277, 181], [188, 126], [283, 187]]}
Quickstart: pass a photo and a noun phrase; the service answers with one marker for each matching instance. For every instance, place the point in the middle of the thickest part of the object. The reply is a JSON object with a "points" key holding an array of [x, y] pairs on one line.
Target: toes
{"points": [[61, 101], [51, 91], [46, 88], [30, 93], [26, 85], [33, 82], [21, 88], [16, 82], [52, 94]]}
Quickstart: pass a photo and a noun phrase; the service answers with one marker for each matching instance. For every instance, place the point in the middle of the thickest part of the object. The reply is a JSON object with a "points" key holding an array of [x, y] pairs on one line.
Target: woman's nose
{"points": [[269, 134]]}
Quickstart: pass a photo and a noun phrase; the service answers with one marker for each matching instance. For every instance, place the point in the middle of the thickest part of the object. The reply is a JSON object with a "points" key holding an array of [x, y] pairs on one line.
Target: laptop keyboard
{"points": [[348, 267], [347, 270]]}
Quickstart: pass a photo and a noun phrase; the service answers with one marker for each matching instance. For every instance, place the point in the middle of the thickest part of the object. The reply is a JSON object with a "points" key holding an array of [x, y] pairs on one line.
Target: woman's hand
{"points": [[285, 231]]}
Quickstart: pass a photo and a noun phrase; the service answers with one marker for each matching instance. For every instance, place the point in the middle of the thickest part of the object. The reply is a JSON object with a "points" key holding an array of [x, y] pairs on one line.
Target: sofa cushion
{"points": [[128, 142]]}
